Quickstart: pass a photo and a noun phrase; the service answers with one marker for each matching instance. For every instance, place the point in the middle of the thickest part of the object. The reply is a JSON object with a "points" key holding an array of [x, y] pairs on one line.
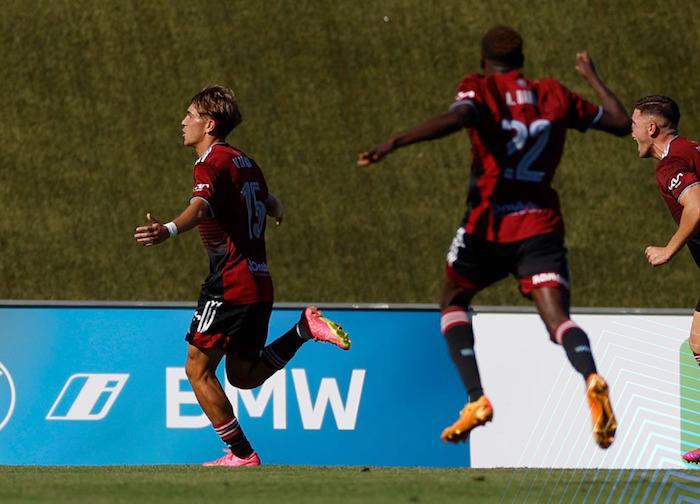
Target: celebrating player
{"points": [[230, 201], [513, 224], [655, 129]]}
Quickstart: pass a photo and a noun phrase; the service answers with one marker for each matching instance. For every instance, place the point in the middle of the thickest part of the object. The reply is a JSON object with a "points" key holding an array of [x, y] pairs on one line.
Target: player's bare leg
{"points": [[694, 342], [456, 327], [553, 306], [201, 372]]}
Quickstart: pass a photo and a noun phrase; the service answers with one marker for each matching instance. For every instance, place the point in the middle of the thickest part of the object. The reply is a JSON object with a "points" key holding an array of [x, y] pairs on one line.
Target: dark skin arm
{"points": [[615, 119], [435, 127]]}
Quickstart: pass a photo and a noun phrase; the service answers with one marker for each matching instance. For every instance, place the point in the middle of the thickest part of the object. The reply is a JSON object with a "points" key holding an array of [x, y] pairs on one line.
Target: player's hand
{"points": [[657, 255], [152, 234], [375, 155], [585, 66]]}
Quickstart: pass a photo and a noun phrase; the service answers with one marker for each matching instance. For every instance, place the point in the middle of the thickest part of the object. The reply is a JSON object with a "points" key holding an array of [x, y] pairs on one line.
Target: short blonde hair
{"points": [[220, 104]]}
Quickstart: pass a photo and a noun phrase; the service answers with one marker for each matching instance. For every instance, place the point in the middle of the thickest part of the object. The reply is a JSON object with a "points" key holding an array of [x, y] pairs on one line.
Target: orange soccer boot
{"points": [[473, 415], [604, 423]]}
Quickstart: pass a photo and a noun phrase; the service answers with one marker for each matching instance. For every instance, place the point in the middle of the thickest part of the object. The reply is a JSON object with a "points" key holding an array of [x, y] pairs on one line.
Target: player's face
{"points": [[641, 134], [193, 127]]}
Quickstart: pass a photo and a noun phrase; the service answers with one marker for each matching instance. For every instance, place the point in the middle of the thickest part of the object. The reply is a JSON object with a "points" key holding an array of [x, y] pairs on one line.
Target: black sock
{"points": [[460, 341], [578, 350], [232, 434], [279, 352]]}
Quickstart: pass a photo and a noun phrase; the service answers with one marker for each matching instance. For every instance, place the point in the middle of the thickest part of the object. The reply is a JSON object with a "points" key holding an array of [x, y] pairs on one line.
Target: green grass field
{"points": [[283, 484], [94, 92]]}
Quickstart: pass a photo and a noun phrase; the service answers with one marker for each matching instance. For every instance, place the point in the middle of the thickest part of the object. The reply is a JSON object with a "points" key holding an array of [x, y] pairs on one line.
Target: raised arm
{"points": [[688, 226], [435, 127], [615, 118], [155, 232]]}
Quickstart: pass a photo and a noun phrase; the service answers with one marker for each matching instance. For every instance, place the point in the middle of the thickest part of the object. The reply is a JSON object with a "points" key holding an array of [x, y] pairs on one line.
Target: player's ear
{"points": [[653, 129], [210, 126]]}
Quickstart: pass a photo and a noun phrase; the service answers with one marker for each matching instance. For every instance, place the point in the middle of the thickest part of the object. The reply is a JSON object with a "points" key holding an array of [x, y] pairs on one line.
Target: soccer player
{"points": [[513, 224], [230, 202], [655, 129]]}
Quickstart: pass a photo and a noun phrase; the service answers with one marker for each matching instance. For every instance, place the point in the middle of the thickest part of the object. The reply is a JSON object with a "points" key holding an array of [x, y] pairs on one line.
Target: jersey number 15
{"points": [[256, 209]]}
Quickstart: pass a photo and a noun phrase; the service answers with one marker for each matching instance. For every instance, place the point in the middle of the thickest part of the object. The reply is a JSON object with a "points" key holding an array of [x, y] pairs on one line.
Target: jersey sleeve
{"points": [[581, 114], [676, 176], [205, 176], [468, 94]]}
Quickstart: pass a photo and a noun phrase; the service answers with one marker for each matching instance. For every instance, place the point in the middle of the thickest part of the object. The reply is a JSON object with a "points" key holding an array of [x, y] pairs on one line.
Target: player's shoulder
{"points": [[550, 85], [471, 81], [684, 147]]}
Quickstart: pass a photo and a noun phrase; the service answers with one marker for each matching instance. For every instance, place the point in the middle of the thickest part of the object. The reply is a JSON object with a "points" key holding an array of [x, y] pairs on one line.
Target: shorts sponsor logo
{"points": [[200, 187], [675, 182], [7, 396], [549, 277], [87, 396]]}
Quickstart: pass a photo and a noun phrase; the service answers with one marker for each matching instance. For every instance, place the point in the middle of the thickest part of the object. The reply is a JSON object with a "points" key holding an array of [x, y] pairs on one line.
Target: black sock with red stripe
{"points": [[279, 352], [457, 330], [231, 433]]}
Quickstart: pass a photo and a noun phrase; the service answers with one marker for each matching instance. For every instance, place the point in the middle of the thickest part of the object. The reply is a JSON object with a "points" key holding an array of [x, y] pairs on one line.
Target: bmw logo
{"points": [[7, 396]]}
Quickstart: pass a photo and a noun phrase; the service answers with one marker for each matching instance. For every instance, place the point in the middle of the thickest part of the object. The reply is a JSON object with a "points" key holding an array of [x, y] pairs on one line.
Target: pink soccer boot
{"points": [[317, 327], [230, 460]]}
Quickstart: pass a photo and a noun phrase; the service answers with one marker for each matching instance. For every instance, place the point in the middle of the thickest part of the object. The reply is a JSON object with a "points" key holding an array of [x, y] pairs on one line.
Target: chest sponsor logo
{"points": [[256, 267], [87, 396], [675, 182], [7, 396], [200, 187]]}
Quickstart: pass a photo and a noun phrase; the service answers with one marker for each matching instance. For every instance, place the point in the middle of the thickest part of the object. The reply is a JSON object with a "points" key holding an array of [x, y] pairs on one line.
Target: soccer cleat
{"points": [[230, 460], [604, 423], [473, 415], [319, 328], [692, 456]]}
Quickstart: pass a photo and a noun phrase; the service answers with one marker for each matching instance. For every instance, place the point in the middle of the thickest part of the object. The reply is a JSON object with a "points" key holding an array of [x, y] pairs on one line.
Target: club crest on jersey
{"points": [[675, 182], [200, 187]]}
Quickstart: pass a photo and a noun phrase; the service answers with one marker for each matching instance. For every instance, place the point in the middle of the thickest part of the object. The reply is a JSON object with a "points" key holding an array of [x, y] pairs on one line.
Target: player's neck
{"points": [[206, 142], [661, 144]]}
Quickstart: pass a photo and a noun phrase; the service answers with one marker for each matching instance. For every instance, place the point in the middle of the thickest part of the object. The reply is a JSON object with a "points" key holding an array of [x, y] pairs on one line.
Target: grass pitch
{"points": [[285, 484]]}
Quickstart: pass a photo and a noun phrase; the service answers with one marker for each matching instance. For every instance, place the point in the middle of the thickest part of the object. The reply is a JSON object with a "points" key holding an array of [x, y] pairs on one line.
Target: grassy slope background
{"points": [[94, 93]]}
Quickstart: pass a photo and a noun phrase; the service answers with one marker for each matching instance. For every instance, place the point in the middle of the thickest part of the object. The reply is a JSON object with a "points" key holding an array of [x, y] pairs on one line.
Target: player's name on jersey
{"points": [[522, 97]]}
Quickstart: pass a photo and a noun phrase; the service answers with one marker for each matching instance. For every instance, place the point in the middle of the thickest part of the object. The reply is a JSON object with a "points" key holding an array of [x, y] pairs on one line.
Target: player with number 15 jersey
{"points": [[513, 224]]}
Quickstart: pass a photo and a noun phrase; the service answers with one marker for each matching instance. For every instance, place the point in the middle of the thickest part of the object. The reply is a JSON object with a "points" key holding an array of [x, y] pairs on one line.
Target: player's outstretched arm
{"points": [[688, 226], [435, 127], [274, 208], [615, 118], [155, 232]]}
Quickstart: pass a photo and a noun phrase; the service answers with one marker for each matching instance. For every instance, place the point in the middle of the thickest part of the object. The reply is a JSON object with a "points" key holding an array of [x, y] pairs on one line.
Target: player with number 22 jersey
{"points": [[513, 224]]}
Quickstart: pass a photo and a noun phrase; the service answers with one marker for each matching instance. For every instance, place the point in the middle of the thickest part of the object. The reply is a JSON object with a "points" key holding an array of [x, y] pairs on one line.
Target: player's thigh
{"points": [[471, 266], [246, 344], [202, 362]]}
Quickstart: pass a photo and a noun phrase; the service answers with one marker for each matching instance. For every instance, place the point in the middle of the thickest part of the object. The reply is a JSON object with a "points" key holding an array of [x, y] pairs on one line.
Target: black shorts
{"points": [[217, 323], [536, 262]]}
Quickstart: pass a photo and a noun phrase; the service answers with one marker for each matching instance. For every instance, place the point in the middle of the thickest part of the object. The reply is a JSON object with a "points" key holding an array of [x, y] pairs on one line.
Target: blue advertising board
{"points": [[106, 385]]}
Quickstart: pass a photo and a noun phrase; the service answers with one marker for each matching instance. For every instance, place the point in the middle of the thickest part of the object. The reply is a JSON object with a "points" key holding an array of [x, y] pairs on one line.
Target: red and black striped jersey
{"points": [[234, 188], [517, 144]]}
